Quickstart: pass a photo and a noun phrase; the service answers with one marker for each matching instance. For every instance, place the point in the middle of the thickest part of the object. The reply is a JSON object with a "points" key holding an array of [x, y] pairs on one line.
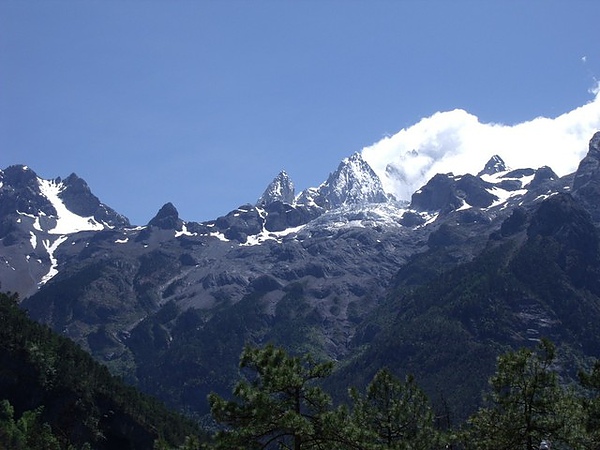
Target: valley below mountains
{"points": [[472, 266]]}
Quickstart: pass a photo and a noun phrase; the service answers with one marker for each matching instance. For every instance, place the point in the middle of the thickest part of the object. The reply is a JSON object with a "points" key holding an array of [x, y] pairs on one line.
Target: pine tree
{"points": [[591, 405], [28, 432], [393, 415], [277, 404], [526, 404]]}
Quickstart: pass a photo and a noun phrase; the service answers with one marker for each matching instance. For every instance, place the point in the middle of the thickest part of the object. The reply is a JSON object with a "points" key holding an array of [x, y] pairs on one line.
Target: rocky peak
{"points": [[167, 218], [20, 192], [354, 182], [77, 196], [281, 189], [542, 175], [439, 194], [446, 192], [18, 176], [493, 166], [589, 167], [586, 184], [595, 143], [79, 199]]}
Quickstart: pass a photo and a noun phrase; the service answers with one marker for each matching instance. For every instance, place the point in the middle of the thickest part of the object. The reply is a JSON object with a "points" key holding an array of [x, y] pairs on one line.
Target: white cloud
{"points": [[455, 141]]}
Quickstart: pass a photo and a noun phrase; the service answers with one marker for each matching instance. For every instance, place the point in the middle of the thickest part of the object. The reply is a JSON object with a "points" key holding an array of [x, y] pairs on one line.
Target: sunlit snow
{"points": [[266, 235], [219, 236], [51, 248], [184, 232], [66, 221]]}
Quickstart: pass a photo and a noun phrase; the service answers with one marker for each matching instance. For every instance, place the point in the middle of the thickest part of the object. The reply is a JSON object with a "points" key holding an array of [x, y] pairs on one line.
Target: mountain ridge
{"points": [[307, 271]]}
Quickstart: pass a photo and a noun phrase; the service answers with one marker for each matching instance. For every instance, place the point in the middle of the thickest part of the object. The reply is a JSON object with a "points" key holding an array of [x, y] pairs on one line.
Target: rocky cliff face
{"points": [[586, 185], [353, 183], [36, 215], [281, 189]]}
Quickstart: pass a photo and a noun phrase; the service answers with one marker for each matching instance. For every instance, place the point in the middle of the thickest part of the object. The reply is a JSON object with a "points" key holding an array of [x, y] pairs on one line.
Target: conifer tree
{"points": [[28, 432], [591, 405], [276, 405], [526, 405], [393, 415]]}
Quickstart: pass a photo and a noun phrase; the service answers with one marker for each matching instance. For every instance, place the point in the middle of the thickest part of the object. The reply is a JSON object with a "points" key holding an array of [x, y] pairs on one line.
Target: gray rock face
{"points": [[437, 195], [445, 192], [20, 192], [29, 220], [78, 198], [281, 189], [167, 218], [353, 183], [494, 165], [542, 175], [586, 185], [240, 223]]}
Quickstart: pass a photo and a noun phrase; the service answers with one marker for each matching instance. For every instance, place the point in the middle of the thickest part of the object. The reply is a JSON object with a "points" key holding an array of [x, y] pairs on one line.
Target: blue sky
{"points": [[203, 103]]}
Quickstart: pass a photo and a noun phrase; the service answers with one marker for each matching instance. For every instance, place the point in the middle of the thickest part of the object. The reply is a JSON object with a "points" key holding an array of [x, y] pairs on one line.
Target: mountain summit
{"points": [[493, 166], [280, 189], [353, 183]]}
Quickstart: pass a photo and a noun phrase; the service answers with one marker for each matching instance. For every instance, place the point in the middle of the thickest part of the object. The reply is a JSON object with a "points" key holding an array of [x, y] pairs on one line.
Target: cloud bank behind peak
{"points": [[456, 141]]}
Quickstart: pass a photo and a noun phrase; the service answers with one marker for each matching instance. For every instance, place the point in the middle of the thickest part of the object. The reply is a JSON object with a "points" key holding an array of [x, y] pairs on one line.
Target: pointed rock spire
{"points": [[280, 189], [353, 182], [494, 165], [589, 167], [79, 199], [167, 218], [586, 184]]}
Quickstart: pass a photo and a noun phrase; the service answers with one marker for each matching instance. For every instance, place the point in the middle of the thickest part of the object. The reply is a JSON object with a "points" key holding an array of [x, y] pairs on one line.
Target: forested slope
{"points": [[49, 381]]}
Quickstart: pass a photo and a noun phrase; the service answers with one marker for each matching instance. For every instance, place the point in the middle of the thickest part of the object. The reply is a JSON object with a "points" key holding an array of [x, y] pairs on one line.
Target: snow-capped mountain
{"points": [[55, 206], [353, 183], [305, 270], [493, 166], [38, 215], [281, 189]]}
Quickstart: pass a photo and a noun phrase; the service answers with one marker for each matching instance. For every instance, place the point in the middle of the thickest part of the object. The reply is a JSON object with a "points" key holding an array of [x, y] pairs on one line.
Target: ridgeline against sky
{"points": [[202, 103]]}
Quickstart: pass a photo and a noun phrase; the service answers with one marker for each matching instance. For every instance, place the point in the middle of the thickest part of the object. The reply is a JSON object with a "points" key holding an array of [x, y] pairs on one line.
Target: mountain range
{"points": [[438, 286]]}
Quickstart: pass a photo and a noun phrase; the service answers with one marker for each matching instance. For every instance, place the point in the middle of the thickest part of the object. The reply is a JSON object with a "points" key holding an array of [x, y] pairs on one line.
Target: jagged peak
{"points": [[167, 218], [356, 163], [353, 182], [595, 142], [589, 167], [18, 174], [493, 166], [280, 189]]}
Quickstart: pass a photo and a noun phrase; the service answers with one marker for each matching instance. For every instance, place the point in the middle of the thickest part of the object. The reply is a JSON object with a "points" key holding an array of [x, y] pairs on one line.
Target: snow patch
{"points": [[51, 248], [266, 235], [220, 236], [464, 206], [184, 232], [66, 221], [33, 239]]}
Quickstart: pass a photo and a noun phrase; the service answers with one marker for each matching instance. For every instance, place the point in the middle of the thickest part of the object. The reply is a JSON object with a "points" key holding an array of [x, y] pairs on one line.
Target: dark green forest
{"points": [[279, 404], [53, 395]]}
